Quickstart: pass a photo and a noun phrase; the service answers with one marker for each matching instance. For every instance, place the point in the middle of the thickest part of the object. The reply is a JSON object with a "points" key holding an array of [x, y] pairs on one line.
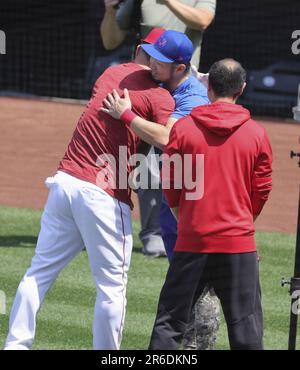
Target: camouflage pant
{"points": [[201, 331]]}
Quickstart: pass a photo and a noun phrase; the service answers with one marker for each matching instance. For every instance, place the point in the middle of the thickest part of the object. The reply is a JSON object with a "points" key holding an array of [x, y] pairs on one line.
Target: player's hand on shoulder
{"points": [[114, 105], [202, 77]]}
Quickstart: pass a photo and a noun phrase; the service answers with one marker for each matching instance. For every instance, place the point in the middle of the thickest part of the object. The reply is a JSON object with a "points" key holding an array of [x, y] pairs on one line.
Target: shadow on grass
{"points": [[29, 241], [24, 241], [138, 250]]}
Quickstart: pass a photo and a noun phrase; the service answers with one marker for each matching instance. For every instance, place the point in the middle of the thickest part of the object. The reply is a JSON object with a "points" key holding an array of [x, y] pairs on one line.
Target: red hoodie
{"points": [[236, 178]]}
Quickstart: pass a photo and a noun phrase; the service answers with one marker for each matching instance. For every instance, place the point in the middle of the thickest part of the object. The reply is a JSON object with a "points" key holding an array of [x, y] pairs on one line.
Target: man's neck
{"points": [[224, 100], [172, 85]]}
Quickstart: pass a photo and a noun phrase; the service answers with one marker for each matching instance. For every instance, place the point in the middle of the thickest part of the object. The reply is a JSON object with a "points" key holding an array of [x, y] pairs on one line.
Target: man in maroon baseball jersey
{"points": [[89, 205]]}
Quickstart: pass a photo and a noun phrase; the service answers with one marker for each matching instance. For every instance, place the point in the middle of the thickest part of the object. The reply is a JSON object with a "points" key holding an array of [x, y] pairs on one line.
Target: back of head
{"points": [[227, 78], [141, 57]]}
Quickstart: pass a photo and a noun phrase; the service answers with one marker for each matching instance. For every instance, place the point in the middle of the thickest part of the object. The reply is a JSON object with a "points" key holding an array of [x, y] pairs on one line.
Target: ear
{"points": [[242, 89], [137, 50], [210, 93], [181, 68]]}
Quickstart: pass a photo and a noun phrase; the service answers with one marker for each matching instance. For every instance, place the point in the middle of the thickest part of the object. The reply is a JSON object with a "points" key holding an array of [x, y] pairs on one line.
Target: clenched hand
{"points": [[114, 105]]}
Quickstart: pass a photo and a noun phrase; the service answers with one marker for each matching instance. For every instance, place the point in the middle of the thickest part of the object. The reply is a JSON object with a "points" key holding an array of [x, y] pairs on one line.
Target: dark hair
{"points": [[226, 78]]}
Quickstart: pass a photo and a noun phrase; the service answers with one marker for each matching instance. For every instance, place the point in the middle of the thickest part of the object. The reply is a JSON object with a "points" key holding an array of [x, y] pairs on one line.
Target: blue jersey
{"points": [[188, 95]]}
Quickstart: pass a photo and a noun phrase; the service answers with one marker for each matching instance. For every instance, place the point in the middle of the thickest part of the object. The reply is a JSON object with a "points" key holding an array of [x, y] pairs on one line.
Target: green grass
{"points": [[65, 319]]}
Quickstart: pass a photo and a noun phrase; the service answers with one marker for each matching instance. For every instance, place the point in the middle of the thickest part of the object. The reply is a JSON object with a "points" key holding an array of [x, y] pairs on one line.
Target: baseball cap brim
{"points": [[154, 53], [153, 35]]}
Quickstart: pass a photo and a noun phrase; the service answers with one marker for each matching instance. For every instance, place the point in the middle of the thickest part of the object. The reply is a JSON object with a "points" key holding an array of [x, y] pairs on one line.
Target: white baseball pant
{"points": [[77, 214]]}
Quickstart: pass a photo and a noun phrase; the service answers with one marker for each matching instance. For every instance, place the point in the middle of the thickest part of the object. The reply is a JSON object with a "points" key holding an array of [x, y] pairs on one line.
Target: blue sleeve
{"points": [[185, 106]]}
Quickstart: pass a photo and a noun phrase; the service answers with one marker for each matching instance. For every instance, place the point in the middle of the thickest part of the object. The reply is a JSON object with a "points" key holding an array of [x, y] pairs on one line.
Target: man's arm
{"points": [[150, 132], [194, 18], [169, 173], [262, 177], [111, 34]]}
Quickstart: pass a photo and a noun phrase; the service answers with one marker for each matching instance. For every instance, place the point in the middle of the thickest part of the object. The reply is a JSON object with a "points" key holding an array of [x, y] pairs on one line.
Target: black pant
{"points": [[235, 279]]}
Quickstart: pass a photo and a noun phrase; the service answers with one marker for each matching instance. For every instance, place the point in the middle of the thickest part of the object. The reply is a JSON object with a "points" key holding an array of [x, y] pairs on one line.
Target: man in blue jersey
{"points": [[170, 64]]}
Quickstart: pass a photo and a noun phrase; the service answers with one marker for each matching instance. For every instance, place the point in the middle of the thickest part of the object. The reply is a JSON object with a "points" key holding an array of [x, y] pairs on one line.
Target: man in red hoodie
{"points": [[231, 171]]}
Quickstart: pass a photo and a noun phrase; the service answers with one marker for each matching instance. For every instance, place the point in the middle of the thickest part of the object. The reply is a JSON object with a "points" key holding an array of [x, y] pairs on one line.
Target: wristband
{"points": [[127, 116]]}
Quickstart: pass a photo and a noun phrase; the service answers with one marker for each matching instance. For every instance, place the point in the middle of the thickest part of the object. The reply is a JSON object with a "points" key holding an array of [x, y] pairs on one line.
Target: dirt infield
{"points": [[34, 135]]}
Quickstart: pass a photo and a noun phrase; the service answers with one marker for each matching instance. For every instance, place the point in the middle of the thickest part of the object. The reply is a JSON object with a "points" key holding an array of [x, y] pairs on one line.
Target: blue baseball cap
{"points": [[171, 46]]}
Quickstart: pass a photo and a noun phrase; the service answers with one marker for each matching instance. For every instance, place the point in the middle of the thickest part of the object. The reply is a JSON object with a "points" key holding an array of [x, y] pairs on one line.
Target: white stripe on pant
{"points": [[77, 214]]}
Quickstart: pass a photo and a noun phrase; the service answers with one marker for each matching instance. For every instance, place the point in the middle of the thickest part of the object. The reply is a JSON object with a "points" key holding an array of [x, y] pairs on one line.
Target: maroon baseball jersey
{"points": [[101, 145]]}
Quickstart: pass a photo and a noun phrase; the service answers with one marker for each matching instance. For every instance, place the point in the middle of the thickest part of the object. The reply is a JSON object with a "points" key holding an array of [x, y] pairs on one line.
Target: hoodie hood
{"points": [[221, 118]]}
